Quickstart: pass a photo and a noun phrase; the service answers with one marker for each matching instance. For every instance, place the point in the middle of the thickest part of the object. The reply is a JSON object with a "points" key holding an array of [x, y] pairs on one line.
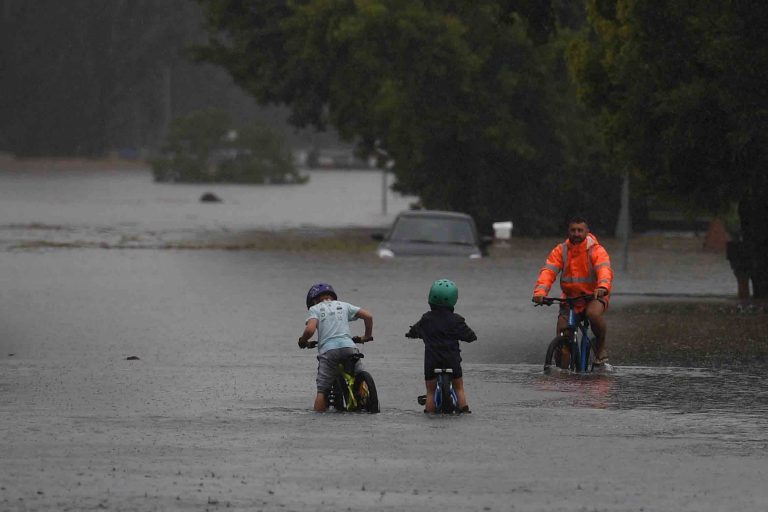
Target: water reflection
{"points": [[711, 412], [594, 391], [677, 390]]}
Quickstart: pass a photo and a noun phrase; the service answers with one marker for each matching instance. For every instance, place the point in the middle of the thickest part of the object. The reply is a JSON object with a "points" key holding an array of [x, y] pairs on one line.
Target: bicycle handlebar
{"points": [[307, 344], [313, 343], [548, 301]]}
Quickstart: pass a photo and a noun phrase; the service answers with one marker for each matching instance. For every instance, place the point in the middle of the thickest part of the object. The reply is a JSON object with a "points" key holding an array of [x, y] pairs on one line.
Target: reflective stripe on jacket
{"points": [[582, 268]]}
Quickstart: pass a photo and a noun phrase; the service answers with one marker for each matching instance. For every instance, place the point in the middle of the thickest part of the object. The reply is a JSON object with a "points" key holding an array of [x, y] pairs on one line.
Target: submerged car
{"points": [[431, 233]]}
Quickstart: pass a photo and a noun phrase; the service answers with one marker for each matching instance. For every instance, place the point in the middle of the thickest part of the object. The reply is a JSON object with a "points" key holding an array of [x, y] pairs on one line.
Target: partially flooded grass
{"points": [[48, 244], [265, 242], [37, 226], [704, 333], [278, 243]]}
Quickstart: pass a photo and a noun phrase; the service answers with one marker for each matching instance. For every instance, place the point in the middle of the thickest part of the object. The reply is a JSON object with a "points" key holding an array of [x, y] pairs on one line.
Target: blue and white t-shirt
{"points": [[333, 317]]}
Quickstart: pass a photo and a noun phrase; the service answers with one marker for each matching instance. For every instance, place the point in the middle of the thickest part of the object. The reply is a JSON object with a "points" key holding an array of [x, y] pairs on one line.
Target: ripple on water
{"points": [[683, 390], [709, 411]]}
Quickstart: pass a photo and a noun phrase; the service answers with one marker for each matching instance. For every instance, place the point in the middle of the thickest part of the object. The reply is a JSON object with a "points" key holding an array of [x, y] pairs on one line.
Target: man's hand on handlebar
{"points": [[362, 339], [600, 292], [541, 300]]}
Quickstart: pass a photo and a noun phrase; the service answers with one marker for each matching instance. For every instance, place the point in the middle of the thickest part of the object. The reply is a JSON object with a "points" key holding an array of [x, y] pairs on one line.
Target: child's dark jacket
{"points": [[442, 329]]}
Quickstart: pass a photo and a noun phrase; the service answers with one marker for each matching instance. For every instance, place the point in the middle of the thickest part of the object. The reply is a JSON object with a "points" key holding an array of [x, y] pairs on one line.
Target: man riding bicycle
{"points": [[585, 269]]}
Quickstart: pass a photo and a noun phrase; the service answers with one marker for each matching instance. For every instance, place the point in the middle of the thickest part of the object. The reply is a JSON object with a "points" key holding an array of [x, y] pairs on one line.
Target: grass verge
{"points": [[703, 334]]}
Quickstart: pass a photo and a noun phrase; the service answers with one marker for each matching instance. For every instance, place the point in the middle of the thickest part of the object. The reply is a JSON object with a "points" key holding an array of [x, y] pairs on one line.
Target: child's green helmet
{"points": [[444, 292]]}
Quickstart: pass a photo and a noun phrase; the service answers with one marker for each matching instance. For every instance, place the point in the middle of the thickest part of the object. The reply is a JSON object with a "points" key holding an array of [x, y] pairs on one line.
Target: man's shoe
{"points": [[602, 365]]}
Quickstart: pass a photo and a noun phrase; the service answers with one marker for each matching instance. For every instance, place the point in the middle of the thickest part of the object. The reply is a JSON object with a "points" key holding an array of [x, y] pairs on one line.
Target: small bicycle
{"points": [[352, 392], [573, 349], [446, 401]]}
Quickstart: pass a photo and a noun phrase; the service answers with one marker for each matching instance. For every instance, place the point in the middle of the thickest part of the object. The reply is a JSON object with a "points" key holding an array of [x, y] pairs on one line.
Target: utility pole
{"points": [[384, 191], [388, 165]]}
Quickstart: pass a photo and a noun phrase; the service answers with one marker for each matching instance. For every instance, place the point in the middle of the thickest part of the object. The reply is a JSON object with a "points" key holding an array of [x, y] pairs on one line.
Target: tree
{"points": [[469, 98], [206, 146], [681, 84]]}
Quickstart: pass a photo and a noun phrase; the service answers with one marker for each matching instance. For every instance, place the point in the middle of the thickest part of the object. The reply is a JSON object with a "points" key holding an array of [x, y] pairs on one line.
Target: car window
{"points": [[433, 230]]}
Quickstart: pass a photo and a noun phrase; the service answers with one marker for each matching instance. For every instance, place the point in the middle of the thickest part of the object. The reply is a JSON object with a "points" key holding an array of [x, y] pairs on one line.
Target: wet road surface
{"points": [[215, 412]]}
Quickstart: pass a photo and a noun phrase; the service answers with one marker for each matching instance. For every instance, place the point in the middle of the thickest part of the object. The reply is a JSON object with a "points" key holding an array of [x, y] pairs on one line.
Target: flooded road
{"points": [[214, 414]]}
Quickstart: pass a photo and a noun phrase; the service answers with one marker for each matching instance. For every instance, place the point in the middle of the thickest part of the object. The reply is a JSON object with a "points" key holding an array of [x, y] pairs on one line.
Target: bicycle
{"points": [[352, 392], [573, 349], [446, 401]]}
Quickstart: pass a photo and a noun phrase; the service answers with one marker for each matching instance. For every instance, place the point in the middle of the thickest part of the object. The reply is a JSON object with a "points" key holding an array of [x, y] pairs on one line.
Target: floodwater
{"points": [[214, 414], [120, 205]]}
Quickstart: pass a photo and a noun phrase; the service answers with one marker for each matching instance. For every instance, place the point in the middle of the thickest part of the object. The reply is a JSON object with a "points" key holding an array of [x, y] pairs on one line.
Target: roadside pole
{"points": [[384, 171], [388, 165]]}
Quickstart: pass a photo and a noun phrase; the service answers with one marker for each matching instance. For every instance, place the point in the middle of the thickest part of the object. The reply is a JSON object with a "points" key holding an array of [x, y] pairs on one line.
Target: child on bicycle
{"points": [[442, 329], [330, 317]]}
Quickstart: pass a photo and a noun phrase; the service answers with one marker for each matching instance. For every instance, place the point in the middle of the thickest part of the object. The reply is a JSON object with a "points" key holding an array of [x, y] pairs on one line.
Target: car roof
{"points": [[434, 214]]}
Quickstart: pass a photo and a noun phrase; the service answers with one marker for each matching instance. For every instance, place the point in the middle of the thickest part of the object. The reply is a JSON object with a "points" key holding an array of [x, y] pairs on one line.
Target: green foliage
{"points": [[673, 80], [682, 87], [470, 99], [205, 146]]}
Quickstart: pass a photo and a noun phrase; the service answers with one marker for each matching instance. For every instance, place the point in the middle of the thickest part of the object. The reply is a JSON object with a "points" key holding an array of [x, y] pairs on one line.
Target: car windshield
{"points": [[437, 230]]}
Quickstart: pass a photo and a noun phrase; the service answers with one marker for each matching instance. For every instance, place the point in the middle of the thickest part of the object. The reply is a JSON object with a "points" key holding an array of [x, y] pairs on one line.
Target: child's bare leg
{"points": [[458, 386], [431, 387], [321, 404]]}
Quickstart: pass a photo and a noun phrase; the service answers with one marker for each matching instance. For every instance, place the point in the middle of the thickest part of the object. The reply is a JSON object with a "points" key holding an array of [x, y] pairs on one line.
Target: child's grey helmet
{"points": [[318, 290], [443, 292]]}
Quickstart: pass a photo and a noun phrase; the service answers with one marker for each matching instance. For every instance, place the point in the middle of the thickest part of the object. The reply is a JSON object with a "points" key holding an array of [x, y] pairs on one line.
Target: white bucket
{"points": [[502, 230]]}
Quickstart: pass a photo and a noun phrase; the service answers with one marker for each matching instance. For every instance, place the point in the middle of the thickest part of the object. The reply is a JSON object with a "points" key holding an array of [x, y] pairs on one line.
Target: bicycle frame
{"points": [[347, 376], [343, 394], [576, 333], [583, 343]]}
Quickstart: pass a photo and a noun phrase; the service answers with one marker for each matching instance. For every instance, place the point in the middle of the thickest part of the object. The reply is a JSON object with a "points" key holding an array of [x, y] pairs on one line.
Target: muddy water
{"points": [[214, 413]]}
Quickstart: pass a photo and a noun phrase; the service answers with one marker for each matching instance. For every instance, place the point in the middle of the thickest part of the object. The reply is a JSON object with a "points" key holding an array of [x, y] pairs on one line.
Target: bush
{"points": [[206, 147]]}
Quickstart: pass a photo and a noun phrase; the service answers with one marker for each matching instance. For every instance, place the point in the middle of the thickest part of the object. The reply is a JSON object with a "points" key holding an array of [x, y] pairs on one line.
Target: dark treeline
{"points": [[83, 77]]}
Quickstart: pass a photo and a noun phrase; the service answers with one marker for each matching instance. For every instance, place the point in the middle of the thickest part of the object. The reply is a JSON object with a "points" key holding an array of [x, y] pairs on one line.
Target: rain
{"points": [[148, 354]]}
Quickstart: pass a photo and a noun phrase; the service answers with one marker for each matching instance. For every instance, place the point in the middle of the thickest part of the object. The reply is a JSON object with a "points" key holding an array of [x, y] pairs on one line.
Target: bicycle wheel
{"points": [[365, 393], [558, 354], [447, 404], [337, 398]]}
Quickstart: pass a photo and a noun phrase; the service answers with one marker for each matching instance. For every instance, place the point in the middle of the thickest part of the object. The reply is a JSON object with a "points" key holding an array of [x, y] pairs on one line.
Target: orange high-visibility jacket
{"points": [[582, 268]]}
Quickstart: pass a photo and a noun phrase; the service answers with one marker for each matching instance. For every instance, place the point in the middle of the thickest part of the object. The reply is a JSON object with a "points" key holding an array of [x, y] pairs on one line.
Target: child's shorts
{"points": [[328, 367], [433, 360]]}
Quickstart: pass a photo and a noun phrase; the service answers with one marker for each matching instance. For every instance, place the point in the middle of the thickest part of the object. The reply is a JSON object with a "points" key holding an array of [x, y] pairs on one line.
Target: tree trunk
{"points": [[753, 214]]}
